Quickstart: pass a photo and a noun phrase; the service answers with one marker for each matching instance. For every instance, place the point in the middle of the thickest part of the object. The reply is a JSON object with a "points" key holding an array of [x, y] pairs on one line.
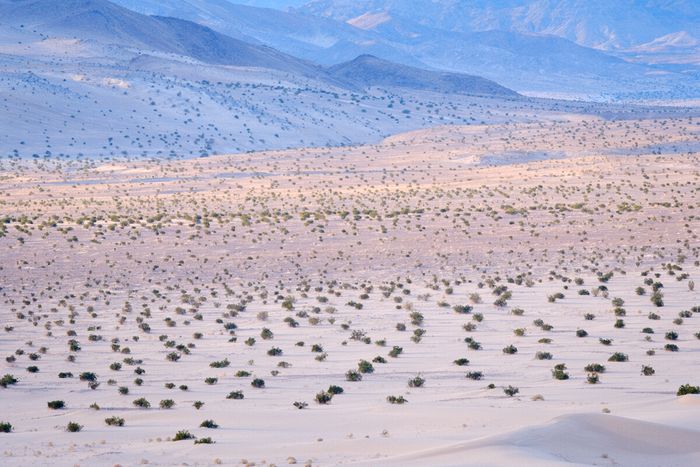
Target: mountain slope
{"points": [[367, 71], [593, 23], [301, 35], [105, 22]]}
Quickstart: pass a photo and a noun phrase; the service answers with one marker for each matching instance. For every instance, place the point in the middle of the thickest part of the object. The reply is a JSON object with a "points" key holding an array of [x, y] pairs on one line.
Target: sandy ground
{"points": [[296, 265]]}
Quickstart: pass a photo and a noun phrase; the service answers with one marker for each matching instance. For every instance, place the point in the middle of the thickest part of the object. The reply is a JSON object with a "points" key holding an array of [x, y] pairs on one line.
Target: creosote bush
{"points": [[416, 382], [142, 403], [73, 427], [208, 424], [182, 435], [396, 399], [114, 421], [688, 389], [56, 404], [618, 357]]}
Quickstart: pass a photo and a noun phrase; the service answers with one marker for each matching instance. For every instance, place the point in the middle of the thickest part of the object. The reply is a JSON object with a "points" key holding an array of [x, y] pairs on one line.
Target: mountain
{"points": [[367, 71], [583, 48], [321, 40], [540, 47], [90, 79], [105, 22], [602, 24]]}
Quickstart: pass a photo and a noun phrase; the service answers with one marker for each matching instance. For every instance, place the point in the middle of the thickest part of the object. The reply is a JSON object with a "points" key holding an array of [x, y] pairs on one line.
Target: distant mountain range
{"points": [[92, 78], [627, 49]]}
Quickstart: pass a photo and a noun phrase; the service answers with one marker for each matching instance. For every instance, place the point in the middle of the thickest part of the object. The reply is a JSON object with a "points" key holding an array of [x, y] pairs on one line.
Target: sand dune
{"points": [[585, 439]]}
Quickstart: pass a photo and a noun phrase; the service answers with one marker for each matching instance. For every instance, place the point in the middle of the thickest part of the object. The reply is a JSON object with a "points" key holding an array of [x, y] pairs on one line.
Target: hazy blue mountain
{"points": [[322, 40], [539, 46], [103, 21], [367, 71], [601, 24]]}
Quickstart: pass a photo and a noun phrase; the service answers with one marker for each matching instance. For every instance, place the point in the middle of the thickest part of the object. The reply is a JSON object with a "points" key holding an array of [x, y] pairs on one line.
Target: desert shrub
{"points": [[605, 341], [510, 350], [236, 395], [65, 374], [211, 380], [581, 333], [300, 405], [258, 383], [182, 435], [353, 375], [688, 389], [462, 309], [274, 352], [595, 368], [478, 317], [592, 378], [520, 332], [543, 356], [116, 366], [395, 351], [220, 363], [5, 427], [671, 335], [647, 331], [559, 372], [545, 340], [396, 399], [657, 298], [266, 333], [510, 391], [589, 316], [33, 369], [114, 421], [208, 424], [475, 375], [166, 404], [461, 362], [618, 357], [619, 323], [416, 382], [142, 402], [379, 359], [364, 366], [323, 397], [206, 440], [56, 404], [73, 427], [242, 374], [8, 380], [333, 389], [472, 344], [647, 370], [173, 356], [88, 376], [671, 347]]}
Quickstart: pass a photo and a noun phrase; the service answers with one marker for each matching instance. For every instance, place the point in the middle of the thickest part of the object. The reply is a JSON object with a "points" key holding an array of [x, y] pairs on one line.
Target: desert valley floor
{"points": [[505, 294]]}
